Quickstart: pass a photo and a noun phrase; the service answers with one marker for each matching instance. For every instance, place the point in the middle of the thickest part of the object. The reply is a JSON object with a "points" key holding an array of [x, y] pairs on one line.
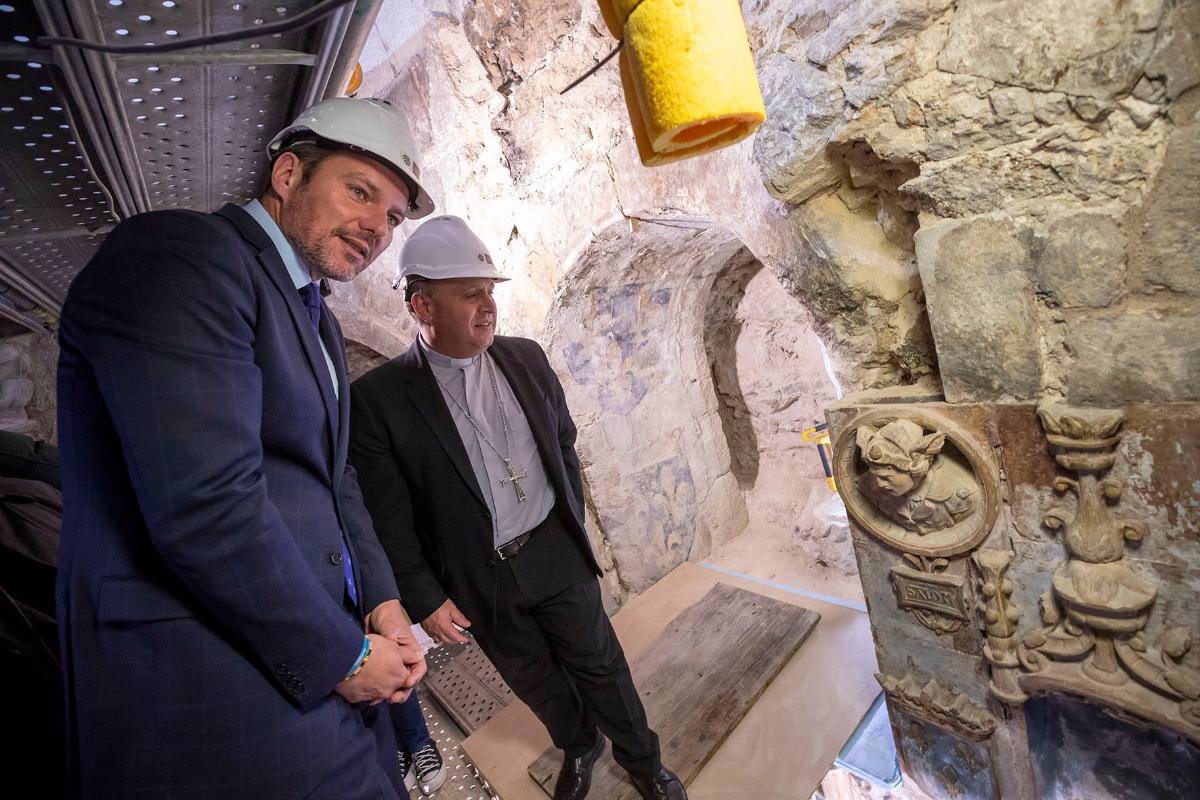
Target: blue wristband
{"points": [[362, 657]]}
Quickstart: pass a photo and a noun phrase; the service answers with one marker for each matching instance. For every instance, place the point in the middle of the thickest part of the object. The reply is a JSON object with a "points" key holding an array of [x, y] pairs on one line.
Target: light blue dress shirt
{"points": [[295, 268]]}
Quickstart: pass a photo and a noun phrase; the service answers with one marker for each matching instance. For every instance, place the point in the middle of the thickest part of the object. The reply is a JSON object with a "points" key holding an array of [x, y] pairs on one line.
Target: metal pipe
{"points": [[21, 318], [86, 80], [363, 18], [221, 58], [331, 40], [43, 296]]}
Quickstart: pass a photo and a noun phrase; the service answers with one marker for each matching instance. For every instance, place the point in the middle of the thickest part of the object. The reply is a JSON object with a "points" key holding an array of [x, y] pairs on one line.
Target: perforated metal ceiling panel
{"points": [[46, 188], [87, 138], [200, 129]]}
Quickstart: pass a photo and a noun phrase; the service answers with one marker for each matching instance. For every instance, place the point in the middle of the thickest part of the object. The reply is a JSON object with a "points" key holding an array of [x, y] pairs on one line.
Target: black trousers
{"points": [[556, 648]]}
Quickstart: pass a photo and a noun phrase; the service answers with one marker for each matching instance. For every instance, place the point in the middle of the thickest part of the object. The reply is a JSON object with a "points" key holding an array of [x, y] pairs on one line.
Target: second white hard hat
{"points": [[446, 247], [370, 126]]}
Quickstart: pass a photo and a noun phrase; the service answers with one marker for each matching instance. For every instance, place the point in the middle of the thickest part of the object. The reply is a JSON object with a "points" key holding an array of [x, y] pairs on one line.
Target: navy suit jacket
{"points": [[206, 489], [418, 484]]}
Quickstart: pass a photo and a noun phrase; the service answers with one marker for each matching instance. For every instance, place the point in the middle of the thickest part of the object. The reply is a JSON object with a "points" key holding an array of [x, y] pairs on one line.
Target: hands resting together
{"points": [[395, 663]]}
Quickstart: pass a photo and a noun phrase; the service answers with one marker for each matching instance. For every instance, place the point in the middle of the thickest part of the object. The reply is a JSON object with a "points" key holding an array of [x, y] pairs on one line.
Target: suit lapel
{"points": [[427, 398], [521, 381], [276, 270]]}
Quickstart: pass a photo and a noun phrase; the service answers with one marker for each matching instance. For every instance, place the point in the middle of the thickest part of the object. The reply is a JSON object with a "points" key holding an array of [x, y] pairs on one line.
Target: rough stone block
{"points": [[1176, 59], [1168, 254], [1082, 259], [1134, 357], [981, 308], [1095, 48]]}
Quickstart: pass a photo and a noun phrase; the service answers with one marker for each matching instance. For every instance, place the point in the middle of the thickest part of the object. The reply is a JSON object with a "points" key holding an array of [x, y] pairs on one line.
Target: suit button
{"points": [[297, 688], [335, 559]]}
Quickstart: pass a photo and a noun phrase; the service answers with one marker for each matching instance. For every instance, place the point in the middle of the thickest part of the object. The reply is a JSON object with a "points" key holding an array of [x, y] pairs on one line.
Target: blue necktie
{"points": [[311, 295]]}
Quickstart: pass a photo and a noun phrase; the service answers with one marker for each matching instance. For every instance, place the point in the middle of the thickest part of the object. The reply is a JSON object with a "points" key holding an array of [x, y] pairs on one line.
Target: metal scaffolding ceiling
{"points": [[88, 138]]}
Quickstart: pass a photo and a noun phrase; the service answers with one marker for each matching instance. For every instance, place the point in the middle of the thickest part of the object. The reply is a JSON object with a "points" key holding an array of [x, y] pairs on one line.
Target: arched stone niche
{"points": [[648, 333], [625, 335]]}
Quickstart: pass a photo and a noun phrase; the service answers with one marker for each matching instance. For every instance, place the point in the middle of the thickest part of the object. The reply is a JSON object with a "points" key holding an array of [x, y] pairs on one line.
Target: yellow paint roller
{"points": [[687, 73]]}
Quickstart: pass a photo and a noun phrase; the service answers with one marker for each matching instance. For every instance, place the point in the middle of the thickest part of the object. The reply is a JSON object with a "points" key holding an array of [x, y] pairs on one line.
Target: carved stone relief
{"points": [[940, 705], [1000, 622], [1092, 642], [916, 481]]}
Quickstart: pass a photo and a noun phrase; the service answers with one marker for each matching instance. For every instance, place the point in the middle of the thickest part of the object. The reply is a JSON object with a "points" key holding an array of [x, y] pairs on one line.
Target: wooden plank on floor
{"points": [[698, 679]]}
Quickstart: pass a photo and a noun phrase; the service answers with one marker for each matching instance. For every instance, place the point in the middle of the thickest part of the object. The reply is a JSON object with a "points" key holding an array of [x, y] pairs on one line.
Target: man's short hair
{"points": [[310, 154], [417, 284]]}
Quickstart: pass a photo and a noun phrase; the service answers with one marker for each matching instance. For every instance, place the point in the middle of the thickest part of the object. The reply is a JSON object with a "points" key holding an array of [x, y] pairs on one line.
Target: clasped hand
{"points": [[395, 664]]}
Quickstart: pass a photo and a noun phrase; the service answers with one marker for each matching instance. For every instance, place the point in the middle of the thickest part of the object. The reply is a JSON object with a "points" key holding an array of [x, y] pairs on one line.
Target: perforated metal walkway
{"points": [[460, 693]]}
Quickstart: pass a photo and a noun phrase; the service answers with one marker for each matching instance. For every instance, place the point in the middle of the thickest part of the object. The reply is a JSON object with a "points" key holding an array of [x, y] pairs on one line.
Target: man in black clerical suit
{"points": [[465, 452]]}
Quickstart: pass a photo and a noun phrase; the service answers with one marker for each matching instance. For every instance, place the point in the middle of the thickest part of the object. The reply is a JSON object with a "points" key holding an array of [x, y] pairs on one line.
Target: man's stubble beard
{"points": [[315, 253]]}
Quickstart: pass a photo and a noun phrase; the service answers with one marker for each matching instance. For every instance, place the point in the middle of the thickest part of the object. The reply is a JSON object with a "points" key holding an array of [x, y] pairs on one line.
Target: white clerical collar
{"points": [[439, 360]]}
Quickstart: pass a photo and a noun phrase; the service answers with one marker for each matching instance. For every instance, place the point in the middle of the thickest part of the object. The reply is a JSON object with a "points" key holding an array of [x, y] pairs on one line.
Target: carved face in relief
{"points": [[907, 480], [898, 455], [916, 479]]}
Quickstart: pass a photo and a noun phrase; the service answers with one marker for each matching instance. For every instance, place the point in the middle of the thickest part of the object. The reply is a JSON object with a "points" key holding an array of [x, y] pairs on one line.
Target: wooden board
{"points": [[698, 678]]}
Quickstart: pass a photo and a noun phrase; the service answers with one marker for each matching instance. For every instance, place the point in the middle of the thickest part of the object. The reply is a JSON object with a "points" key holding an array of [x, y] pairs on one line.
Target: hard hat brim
{"points": [[420, 204], [456, 271]]}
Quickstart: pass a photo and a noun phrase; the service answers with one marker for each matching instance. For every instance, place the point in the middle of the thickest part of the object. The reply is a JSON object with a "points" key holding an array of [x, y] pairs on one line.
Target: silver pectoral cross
{"points": [[513, 478]]}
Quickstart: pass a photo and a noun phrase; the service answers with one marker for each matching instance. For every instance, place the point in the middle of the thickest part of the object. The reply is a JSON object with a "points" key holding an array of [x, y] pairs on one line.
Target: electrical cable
{"points": [[593, 70], [317, 12]]}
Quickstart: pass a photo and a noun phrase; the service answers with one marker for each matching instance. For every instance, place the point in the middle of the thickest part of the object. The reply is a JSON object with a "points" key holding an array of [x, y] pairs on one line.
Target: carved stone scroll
{"points": [[940, 705], [916, 481], [938, 600]]}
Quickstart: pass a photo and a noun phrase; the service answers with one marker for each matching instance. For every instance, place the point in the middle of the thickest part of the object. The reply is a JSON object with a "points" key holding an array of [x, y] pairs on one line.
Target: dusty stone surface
{"points": [[976, 277], [28, 401], [652, 447], [1072, 119], [1140, 354]]}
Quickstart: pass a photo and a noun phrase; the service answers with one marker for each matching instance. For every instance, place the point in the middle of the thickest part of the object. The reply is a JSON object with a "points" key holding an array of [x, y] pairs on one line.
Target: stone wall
{"points": [[1048, 152], [650, 439], [28, 368]]}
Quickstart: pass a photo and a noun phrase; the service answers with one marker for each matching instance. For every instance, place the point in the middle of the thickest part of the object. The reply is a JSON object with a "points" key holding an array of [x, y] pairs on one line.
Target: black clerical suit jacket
{"points": [[418, 484]]}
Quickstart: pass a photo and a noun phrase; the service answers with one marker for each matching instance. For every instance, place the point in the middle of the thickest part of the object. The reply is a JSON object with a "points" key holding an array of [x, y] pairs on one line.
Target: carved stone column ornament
{"points": [[1093, 642], [1000, 622]]}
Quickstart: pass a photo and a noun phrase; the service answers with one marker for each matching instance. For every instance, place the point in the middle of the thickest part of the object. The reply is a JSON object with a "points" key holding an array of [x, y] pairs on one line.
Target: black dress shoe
{"points": [[664, 785], [575, 778]]}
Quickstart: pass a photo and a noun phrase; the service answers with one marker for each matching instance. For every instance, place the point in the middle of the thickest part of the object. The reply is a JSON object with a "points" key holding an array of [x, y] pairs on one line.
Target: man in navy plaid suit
{"points": [[228, 619]]}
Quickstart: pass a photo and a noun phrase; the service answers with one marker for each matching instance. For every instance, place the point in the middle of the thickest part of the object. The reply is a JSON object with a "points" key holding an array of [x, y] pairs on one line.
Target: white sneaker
{"points": [[407, 769], [430, 769]]}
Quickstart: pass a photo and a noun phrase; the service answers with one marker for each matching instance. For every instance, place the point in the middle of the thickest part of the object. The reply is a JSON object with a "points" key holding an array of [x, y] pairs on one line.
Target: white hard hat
{"points": [[445, 247], [370, 126]]}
